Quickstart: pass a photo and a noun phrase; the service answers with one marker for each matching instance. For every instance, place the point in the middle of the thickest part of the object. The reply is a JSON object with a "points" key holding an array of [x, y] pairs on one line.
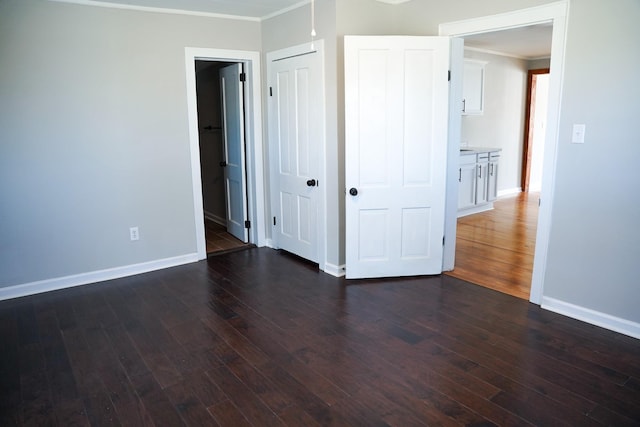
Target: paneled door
{"points": [[296, 138], [235, 182], [396, 128]]}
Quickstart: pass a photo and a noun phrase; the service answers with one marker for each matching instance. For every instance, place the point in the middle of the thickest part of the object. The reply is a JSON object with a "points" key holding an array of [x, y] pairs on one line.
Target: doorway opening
{"points": [[249, 125], [535, 125], [554, 16], [502, 240], [213, 128]]}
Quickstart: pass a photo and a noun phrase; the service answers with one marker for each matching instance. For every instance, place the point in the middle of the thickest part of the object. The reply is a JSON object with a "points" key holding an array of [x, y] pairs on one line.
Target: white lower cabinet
{"points": [[492, 184], [467, 179], [477, 181]]}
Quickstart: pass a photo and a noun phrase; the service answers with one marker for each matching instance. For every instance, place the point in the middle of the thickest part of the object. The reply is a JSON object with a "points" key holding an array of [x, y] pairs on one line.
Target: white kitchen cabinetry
{"points": [[482, 168], [467, 181], [492, 184], [473, 87], [477, 180]]}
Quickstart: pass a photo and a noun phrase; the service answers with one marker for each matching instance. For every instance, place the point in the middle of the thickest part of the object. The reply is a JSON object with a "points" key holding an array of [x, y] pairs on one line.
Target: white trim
{"points": [[151, 9], [509, 192], [393, 2], [215, 218], [515, 19], [285, 10], [253, 126], [494, 52], [557, 14], [593, 317], [110, 5], [476, 209], [93, 277], [335, 270]]}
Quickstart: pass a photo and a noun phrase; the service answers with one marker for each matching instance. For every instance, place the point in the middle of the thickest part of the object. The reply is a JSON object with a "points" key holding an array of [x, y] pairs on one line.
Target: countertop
{"points": [[476, 150]]}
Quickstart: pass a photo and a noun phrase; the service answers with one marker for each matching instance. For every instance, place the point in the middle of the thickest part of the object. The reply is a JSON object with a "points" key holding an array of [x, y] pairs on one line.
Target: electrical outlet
{"points": [[134, 234]]}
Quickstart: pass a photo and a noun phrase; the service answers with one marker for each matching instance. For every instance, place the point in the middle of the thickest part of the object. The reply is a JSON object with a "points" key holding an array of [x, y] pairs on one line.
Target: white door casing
{"points": [[555, 13], [235, 183], [253, 128], [396, 127], [296, 139]]}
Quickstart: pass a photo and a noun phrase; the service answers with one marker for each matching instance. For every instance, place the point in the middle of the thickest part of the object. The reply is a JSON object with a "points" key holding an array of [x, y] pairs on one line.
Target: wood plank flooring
{"points": [[495, 249], [260, 338], [218, 240]]}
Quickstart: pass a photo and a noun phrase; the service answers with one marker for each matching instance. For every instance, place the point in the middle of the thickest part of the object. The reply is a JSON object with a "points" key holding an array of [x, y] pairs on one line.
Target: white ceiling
{"points": [[530, 42], [526, 42]]}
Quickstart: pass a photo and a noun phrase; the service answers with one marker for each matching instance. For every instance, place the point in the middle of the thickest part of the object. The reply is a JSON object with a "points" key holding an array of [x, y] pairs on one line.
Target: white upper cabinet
{"points": [[473, 87]]}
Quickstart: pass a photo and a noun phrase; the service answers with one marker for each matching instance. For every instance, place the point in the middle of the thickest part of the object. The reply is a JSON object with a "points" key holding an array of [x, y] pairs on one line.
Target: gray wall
{"points": [[94, 135], [594, 249], [502, 123]]}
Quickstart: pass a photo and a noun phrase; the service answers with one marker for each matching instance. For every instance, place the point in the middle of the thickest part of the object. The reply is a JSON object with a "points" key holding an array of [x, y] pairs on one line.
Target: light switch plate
{"points": [[577, 137]]}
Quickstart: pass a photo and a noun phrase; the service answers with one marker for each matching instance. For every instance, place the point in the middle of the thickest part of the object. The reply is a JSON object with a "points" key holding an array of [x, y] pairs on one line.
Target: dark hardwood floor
{"points": [[219, 241], [260, 338]]}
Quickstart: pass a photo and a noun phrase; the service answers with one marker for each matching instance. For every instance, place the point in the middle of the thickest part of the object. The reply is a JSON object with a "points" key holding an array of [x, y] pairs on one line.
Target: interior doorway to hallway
{"points": [[251, 115], [221, 134]]}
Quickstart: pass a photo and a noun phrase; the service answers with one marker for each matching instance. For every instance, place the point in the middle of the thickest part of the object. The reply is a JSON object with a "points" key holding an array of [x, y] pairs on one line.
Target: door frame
{"points": [[280, 54], [253, 134], [555, 13], [527, 146]]}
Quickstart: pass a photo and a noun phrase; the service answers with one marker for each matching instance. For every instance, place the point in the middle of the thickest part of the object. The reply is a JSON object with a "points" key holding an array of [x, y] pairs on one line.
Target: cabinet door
{"points": [[473, 87], [482, 187], [467, 186], [492, 181]]}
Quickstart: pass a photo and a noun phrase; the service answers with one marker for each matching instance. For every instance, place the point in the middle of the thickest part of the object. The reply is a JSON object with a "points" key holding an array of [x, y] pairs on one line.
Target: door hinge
{"points": [[243, 77], [270, 91], [449, 76], [274, 220], [442, 240], [247, 224]]}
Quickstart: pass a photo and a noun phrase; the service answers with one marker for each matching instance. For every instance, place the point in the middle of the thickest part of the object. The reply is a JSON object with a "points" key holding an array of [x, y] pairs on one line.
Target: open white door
{"points": [[296, 137], [396, 126], [235, 183]]}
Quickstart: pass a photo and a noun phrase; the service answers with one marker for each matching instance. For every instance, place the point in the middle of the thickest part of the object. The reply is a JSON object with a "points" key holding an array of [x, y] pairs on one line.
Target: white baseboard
{"points": [[334, 270], [93, 277], [215, 218], [593, 317], [476, 209], [509, 192]]}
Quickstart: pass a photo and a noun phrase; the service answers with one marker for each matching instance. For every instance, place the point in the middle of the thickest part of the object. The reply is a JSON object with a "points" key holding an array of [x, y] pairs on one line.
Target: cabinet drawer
{"points": [[466, 159], [483, 157], [494, 155]]}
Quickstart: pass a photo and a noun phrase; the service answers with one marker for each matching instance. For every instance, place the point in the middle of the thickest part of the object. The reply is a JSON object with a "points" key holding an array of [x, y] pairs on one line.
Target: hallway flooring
{"points": [[495, 249]]}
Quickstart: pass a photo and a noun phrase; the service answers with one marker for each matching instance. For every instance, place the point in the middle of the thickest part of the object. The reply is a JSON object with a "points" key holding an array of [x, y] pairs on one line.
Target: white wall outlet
{"points": [[134, 234], [577, 136]]}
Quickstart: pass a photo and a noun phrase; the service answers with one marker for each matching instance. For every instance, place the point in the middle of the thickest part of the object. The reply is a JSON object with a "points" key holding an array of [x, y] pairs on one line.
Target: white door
{"points": [[296, 138], [396, 117], [235, 183]]}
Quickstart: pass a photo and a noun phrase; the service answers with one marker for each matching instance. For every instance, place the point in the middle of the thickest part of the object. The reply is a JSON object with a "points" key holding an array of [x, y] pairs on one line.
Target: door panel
{"points": [[296, 137], [396, 114], [234, 150]]}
